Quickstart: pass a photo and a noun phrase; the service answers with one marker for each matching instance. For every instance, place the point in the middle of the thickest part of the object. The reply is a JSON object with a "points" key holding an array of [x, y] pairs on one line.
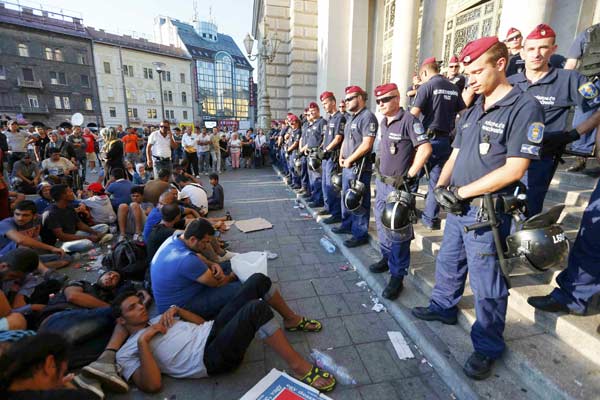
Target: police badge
{"points": [[418, 128], [535, 134], [588, 90]]}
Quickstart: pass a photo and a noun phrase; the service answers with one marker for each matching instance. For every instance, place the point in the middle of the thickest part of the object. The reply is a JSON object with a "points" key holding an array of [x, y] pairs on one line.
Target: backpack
{"points": [[128, 259], [590, 59]]}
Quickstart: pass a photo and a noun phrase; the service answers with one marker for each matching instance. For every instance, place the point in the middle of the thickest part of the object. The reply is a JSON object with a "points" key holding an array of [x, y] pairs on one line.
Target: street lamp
{"points": [[160, 68], [266, 52]]}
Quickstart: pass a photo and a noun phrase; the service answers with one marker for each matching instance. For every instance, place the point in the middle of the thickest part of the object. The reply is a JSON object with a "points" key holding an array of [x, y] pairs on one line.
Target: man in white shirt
{"points": [[17, 140], [204, 151], [194, 191], [189, 141], [59, 167], [158, 150], [259, 142]]}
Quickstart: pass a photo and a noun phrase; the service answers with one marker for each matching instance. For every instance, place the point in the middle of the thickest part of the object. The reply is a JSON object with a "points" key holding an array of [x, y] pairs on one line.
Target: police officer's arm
{"points": [[421, 156], [364, 148], [511, 171], [571, 63], [293, 146], [335, 142], [444, 179]]}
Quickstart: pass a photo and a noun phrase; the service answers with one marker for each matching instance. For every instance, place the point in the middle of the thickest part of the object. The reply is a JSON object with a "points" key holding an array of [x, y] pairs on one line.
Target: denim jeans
{"points": [[216, 160], [76, 246], [161, 164], [204, 161]]}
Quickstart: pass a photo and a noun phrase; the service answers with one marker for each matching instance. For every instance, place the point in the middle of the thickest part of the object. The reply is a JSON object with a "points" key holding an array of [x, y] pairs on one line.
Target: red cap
{"points": [[293, 118], [354, 89], [313, 105], [430, 60], [511, 32], [325, 95], [95, 187], [383, 89], [473, 50], [542, 31], [453, 60], [290, 114]]}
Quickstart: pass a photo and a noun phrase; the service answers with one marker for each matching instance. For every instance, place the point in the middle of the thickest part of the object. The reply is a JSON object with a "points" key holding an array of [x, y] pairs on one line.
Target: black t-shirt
{"points": [[55, 217], [157, 236], [56, 394]]}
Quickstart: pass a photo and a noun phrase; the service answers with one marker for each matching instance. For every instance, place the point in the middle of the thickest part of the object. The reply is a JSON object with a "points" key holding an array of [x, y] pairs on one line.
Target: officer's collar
{"points": [[550, 77], [356, 115], [397, 117], [315, 121], [509, 99]]}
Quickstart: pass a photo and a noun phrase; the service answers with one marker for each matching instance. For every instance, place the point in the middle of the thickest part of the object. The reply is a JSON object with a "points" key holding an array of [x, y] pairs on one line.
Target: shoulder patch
{"points": [[535, 133], [530, 149], [373, 127], [422, 137], [588, 90], [418, 128]]}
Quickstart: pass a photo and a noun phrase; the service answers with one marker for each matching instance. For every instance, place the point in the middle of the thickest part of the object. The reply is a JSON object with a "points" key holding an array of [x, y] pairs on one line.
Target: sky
{"points": [[233, 17]]}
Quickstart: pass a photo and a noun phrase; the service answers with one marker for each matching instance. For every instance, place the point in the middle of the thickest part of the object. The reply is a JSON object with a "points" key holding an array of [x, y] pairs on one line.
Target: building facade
{"points": [[369, 42], [221, 71], [130, 87], [46, 68]]}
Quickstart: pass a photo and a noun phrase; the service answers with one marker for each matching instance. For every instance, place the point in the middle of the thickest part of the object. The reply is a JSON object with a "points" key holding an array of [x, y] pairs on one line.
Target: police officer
{"points": [[359, 135], [514, 42], [557, 90], [403, 150], [491, 153], [305, 192], [439, 101], [282, 147], [314, 138], [454, 74], [292, 143], [333, 136]]}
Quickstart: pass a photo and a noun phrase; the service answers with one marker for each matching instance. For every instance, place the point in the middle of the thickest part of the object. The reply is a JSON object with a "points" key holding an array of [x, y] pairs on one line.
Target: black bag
{"points": [[129, 259]]}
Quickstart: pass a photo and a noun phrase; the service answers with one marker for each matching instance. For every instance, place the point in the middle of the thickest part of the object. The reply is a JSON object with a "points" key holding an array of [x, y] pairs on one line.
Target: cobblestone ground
{"points": [[311, 280]]}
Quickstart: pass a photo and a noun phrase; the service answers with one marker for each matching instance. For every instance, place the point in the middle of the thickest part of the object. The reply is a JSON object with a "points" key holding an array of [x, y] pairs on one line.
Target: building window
{"points": [[242, 93], [66, 103], [58, 55], [206, 87], [151, 113], [132, 112], [183, 97], [110, 93], [23, 50], [106, 67], [182, 77], [168, 96], [166, 76], [85, 81], [81, 59], [2, 72], [148, 73], [88, 104], [130, 94], [185, 115], [28, 74], [172, 114], [224, 69], [128, 70], [33, 101], [49, 53], [112, 112], [57, 102], [58, 78]]}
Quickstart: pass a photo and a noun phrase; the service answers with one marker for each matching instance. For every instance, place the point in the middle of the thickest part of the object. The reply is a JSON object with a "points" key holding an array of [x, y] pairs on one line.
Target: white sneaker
{"points": [[138, 237], [107, 374], [89, 383], [106, 238]]}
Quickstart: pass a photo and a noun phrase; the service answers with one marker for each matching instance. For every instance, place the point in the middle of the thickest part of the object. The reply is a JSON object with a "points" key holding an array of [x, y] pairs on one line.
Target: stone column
{"points": [[432, 29], [358, 42], [524, 15], [404, 45], [264, 105]]}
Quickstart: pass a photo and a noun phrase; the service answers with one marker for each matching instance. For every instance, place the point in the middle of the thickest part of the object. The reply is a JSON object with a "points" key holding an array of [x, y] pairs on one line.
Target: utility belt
{"points": [[162, 159], [395, 181], [497, 199], [434, 133]]}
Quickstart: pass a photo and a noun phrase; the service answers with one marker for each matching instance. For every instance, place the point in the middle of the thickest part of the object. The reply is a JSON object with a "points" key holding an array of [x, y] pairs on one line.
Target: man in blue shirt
{"points": [[119, 188], [495, 141], [314, 138]]}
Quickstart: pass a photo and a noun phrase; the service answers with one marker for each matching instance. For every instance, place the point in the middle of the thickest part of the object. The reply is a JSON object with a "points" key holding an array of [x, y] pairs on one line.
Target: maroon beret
{"points": [[473, 50], [511, 32], [354, 89], [325, 95], [383, 89], [542, 31], [313, 105], [293, 118], [453, 60], [429, 60]]}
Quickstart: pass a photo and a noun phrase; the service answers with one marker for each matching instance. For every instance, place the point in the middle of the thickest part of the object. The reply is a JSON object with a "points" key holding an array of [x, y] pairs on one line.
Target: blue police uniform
{"points": [[334, 127], [314, 132], [439, 101], [304, 171], [557, 92], [283, 163], [362, 124], [485, 139], [396, 152], [291, 157], [460, 81]]}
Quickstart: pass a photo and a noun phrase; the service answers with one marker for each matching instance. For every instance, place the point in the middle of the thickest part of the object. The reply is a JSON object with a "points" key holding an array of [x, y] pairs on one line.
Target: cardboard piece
{"points": [[402, 348], [253, 225], [277, 385]]}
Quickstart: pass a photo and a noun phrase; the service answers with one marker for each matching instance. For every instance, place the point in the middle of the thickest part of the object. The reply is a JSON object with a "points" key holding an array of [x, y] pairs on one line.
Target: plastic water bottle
{"points": [[327, 363], [327, 245]]}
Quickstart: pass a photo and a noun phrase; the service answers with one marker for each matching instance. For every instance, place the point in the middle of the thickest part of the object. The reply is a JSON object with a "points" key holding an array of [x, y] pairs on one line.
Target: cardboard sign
{"points": [[252, 225], [277, 385]]}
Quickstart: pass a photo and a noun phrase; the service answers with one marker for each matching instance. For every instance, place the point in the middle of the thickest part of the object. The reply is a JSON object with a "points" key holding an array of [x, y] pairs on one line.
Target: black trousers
{"points": [[236, 324], [192, 159]]}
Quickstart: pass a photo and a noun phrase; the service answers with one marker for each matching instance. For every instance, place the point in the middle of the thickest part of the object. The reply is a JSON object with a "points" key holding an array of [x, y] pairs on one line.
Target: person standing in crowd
{"points": [[158, 150], [514, 42], [235, 150], [131, 145], [260, 144], [438, 100], [41, 140], [77, 142], [90, 148], [332, 139], [215, 154], [224, 152], [113, 151], [177, 151], [314, 139], [17, 140], [355, 158], [403, 150], [189, 142], [492, 151], [291, 147], [247, 146], [454, 74], [204, 152], [281, 140]]}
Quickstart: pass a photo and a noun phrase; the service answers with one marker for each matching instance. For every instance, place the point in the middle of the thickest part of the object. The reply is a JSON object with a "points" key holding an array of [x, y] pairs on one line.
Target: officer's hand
{"points": [[410, 180], [326, 154], [347, 164], [449, 199], [554, 144]]}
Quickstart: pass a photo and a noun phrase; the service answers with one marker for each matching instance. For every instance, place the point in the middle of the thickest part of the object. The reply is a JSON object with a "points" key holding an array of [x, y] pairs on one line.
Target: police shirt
{"points": [[335, 126], [557, 92], [362, 124], [512, 127], [399, 138], [439, 100], [516, 65], [314, 132], [293, 138], [460, 81], [578, 45]]}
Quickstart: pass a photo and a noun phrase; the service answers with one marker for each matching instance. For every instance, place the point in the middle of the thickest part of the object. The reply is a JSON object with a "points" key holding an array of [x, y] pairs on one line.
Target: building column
{"points": [[358, 43], [432, 31], [264, 105], [404, 45], [524, 15]]}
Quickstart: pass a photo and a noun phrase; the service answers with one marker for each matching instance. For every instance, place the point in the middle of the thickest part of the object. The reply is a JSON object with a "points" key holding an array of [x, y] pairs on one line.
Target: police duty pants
{"points": [[585, 144], [581, 279], [473, 253], [397, 254], [295, 177], [537, 178], [283, 161], [304, 176], [358, 224], [330, 196], [316, 189], [439, 156]]}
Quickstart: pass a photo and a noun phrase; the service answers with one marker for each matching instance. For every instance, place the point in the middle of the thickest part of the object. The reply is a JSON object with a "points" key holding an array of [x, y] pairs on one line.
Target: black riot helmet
{"points": [[353, 197], [314, 162], [298, 165], [398, 215], [336, 181]]}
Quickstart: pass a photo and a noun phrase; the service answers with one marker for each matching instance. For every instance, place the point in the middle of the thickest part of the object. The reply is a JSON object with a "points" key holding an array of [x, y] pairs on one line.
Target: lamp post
{"points": [[160, 68], [266, 52]]}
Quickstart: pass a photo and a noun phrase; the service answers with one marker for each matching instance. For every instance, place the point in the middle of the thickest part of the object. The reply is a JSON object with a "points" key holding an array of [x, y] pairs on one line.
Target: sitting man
{"points": [[99, 204], [155, 187], [168, 197], [183, 344], [25, 175], [181, 277], [118, 188], [216, 201], [171, 215], [60, 222], [132, 216], [44, 201], [194, 191], [58, 168]]}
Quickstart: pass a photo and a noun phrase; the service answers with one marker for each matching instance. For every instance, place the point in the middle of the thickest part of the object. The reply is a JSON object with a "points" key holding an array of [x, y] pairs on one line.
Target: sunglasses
{"points": [[385, 100], [453, 66], [349, 99], [514, 38], [162, 126]]}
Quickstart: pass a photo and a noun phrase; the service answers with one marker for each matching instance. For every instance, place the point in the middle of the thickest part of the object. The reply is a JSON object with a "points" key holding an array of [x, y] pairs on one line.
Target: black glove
{"points": [[410, 180], [449, 199], [554, 144], [326, 155]]}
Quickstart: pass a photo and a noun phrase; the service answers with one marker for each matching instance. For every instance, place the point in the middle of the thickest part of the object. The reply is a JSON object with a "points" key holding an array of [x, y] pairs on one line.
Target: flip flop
{"points": [[314, 374], [304, 326]]}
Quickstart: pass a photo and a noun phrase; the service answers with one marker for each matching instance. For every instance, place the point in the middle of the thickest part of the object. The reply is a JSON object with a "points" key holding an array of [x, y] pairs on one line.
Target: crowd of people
{"points": [[498, 128]]}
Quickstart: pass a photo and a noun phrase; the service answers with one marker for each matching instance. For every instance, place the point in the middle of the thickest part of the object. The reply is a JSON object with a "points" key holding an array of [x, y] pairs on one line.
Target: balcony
{"points": [[37, 84], [34, 110]]}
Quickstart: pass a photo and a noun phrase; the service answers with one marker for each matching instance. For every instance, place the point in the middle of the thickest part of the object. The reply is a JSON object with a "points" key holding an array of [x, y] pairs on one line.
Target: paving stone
{"points": [[379, 391], [332, 335], [379, 362], [297, 273], [309, 307], [356, 300], [234, 384], [349, 358], [334, 305], [324, 286], [365, 328], [297, 289]]}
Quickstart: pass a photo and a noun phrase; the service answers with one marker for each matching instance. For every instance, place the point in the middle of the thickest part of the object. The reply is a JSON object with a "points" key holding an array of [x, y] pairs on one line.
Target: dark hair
{"points": [[170, 212], [137, 189], [198, 229], [115, 305], [117, 173], [57, 191], [214, 176], [26, 205], [29, 354], [54, 150], [496, 52], [165, 121], [163, 173], [21, 259]]}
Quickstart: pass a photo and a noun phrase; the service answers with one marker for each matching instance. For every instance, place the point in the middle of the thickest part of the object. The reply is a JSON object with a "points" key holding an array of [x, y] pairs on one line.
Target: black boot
{"points": [[393, 288], [547, 303], [478, 366], [579, 165], [380, 266]]}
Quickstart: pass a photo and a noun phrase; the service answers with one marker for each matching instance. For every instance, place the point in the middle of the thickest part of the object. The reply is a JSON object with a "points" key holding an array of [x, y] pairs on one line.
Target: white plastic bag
{"points": [[246, 264]]}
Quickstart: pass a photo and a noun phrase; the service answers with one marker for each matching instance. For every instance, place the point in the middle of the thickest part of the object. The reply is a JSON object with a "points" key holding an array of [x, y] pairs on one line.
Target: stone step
{"points": [[574, 179]]}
